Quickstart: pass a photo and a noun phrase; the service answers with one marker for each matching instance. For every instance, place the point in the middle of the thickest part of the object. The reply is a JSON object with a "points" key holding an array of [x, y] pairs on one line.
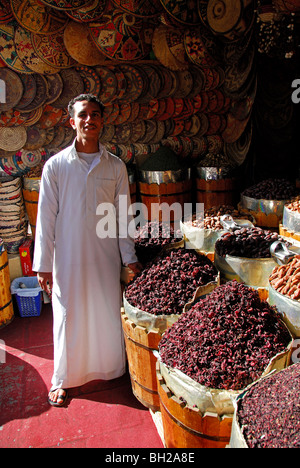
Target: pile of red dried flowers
{"points": [[269, 413], [166, 285], [226, 340]]}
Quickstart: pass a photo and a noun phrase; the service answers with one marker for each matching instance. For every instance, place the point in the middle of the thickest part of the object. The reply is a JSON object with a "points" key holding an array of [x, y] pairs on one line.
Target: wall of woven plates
{"points": [[178, 73]]}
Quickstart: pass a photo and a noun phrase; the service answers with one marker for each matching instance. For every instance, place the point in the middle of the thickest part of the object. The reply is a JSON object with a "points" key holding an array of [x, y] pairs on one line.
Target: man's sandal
{"points": [[61, 399]]}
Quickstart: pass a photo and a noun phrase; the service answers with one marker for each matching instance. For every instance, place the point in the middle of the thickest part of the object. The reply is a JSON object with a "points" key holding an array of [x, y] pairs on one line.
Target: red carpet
{"points": [[97, 415]]}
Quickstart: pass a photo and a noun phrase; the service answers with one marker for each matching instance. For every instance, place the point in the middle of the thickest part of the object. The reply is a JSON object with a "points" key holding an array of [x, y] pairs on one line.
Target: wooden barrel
{"points": [[185, 426], [31, 198], [169, 187], [215, 187], [140, 344], [268, 214], [6, 305], [132, 187]]}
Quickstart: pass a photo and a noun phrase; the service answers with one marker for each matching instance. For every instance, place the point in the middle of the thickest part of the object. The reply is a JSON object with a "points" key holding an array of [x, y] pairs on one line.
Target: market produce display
{"points": [[226, 340], [272, 189], [212, 217], [247, 242], [269, 413], [166, 285], [286, 279]]}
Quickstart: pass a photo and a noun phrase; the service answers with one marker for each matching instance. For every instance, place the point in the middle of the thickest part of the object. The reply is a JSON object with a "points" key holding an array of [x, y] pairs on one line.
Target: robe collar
{"points": [[73, 152]]}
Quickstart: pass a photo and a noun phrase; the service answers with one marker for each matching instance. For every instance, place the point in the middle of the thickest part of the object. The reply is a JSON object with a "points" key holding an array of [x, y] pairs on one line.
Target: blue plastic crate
{"points": [[29, 300]]}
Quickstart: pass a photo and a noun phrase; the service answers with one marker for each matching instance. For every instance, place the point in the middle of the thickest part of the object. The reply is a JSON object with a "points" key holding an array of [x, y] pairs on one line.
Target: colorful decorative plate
{"points": [[12, 138], [237, 74], [91, 80], [66, 4], [49, 137], [29, 90], [52, 50], [135, 83], [135, 109], [109, 84], [138, 131], [237, 151], [40, 95], [27, 54], [36, 17], [169, 82], [168, 47], [80, 45], [154, 83], [121, 38], [36, 138], [59, 136], [13, 88], [11, 118], [111, 112], [184, 11], [121, 82], [72, 86], [93, 11], [124, 114], [151, 130], [8, 51], [6, 13], [107, 134], [142, 8], [31, 158], [185, 84]]}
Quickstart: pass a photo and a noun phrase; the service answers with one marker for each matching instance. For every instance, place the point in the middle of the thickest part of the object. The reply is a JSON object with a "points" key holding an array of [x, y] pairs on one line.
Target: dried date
{"points": [[272, 189]]}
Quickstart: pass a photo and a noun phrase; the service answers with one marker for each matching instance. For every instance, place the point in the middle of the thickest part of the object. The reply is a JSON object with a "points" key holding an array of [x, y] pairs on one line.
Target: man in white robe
{"points": [[79, 267]]}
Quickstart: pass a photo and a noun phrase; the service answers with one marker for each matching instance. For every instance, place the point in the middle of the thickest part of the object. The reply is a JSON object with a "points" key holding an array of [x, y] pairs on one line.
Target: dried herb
{"points": [[269, 413], [166, 285], [226, 340]]}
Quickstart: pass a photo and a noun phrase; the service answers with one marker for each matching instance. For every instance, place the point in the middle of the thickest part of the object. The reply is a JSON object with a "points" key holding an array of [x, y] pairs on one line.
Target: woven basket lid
{"points": [[234, 128], [135, 82], [91, 12], [110, 113], [6, 13], [55, 87], [36, 138], [72, 86], [40, 95], [12, 138], [196, 49], [142, 8], [90, 78], [29, 90], [13, 88], [185, 11], [80, 45], [52, 50], [28, 55], [224, 15], [120, 41], [33, 117], [109, 84], [66, 4], [121, 81], [50, 117], [168, 47], [36, 17], [8, 50], [237, 151], [31, 158]]}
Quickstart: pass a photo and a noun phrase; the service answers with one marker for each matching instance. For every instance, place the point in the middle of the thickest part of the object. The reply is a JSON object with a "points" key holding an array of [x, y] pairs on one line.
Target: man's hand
{"points": [[45, 281]]}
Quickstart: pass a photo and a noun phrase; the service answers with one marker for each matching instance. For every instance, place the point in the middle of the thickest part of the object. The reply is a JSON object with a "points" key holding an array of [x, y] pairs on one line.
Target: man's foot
{"points": [[57, 397]]}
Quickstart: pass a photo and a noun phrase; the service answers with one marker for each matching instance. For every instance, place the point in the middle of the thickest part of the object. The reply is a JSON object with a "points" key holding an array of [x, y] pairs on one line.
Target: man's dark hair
{"points": [[84, 97]]}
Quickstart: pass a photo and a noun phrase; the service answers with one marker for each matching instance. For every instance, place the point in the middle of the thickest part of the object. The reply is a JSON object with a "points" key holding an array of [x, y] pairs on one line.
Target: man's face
{"points": [[87, 120]]}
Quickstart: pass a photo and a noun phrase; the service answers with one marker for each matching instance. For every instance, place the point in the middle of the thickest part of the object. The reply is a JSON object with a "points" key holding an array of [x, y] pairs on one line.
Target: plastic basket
{"points": [[29, 299]]}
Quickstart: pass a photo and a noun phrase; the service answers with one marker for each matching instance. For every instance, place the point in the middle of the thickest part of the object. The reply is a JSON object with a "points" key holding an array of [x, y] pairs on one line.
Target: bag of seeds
{"points": [[224, 342], [159, 295], [267, 413]]}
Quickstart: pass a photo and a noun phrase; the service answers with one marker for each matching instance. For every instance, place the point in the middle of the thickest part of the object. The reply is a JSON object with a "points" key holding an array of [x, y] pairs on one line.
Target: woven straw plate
{"points": [[12, 138], [14, 88], [80, 45], [8, 51], [36, 17]]}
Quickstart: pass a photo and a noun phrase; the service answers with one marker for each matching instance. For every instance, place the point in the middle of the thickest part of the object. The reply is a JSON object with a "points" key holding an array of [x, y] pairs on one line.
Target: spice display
{"points": [[269, 413], [272, 189], [152, 237], [247, 242], [166, 285], [226, 340], [286, 279], [215, 160]]}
